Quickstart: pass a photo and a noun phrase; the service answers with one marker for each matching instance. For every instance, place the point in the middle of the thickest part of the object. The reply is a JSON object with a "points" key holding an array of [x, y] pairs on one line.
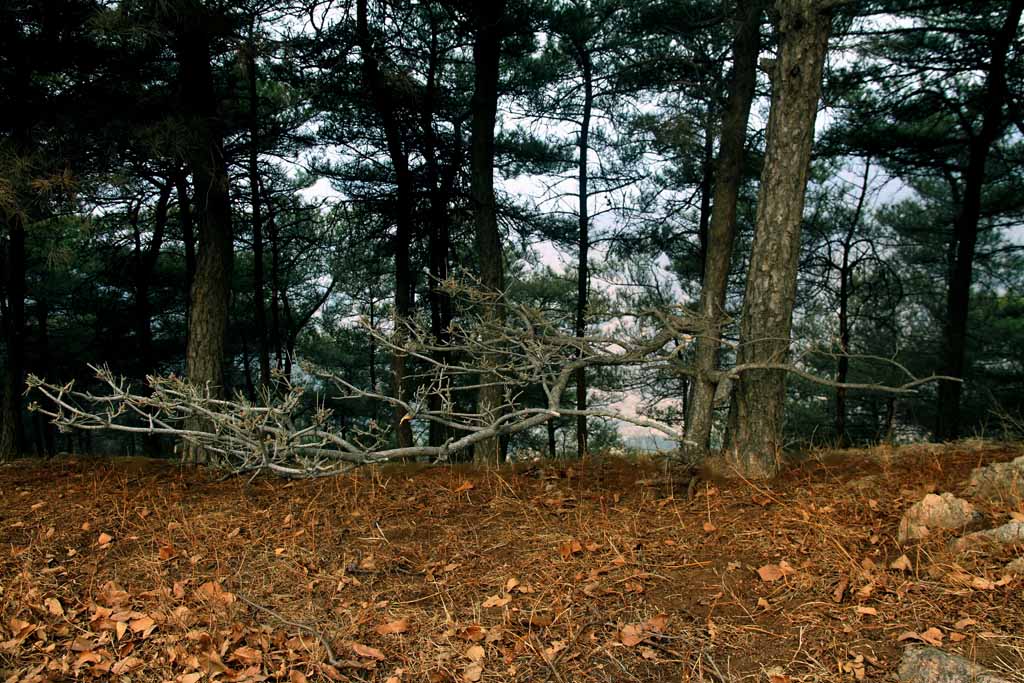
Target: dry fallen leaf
{"points": [[475, 653], [367, 651], [570, 548], [840, 590], [902, 563], [774, 572], [54, 607], [932, 636], [296, 677], [632, 634], [104, 539], [473, 633], [496, 601], [396, 626], [869, 611], [466, 486], [472, 673]]}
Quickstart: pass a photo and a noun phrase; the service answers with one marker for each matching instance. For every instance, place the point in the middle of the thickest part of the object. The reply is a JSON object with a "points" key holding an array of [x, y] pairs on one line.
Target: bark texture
{"points": [[803, 28], [965, 228], [486, 53], [583, 61], [721, 236], [211, 286]]}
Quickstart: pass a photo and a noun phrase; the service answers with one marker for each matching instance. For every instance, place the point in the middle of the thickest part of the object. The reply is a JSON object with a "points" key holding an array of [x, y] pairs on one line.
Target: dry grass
{"points": [[214, 578]]}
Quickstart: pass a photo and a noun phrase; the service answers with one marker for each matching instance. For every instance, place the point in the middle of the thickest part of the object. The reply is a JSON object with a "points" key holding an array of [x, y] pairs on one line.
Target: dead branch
{"points": [[524, 349]]}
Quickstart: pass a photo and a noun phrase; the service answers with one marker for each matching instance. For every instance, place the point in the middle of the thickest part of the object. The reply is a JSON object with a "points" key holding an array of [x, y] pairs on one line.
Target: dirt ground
{"points": [[595, 571]]}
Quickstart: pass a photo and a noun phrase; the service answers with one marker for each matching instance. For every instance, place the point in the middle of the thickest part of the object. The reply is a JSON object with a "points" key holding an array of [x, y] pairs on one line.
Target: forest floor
{"points": [[595, 571]]}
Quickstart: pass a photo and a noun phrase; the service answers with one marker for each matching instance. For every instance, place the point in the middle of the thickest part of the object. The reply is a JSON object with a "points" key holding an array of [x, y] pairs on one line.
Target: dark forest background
{"points": [[221, 189]]}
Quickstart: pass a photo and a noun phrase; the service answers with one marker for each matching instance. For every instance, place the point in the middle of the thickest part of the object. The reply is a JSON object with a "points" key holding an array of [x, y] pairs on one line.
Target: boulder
{"points": [[1007, 534], [936, 512], [1000, 482], [932, 665]]}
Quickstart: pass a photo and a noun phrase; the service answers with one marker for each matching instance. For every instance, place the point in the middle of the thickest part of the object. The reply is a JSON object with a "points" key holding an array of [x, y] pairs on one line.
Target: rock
{"points": [[932, 665], [1016, 567], [1007, 534], [936, 512], [999, 482]]}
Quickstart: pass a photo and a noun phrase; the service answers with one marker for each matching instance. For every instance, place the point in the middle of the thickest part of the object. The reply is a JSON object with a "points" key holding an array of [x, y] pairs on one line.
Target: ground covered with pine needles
{"points": [[603, 570]]}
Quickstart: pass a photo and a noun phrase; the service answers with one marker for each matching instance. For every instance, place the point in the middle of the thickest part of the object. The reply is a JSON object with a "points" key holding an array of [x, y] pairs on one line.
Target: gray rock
{"points": [[1016, 566], [1007, 534], [936, 512], [932, 665], [1001, 482]]}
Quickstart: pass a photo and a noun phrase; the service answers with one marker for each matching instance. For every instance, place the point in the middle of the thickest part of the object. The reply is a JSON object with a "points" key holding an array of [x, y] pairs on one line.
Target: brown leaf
{"points": [[475, 653], [246, 656], [496, 601], [840, 590], [368, 652], [125, 665], [189, 678], [867, 611], [932, 636], [466, 486], [54, 607], [472, 673], [296, 677], [632, 634], [396, 626], [709, 527], [473, 633], [774, 572], [104, 539], [144, 625], [570, 548], [902, 563]]}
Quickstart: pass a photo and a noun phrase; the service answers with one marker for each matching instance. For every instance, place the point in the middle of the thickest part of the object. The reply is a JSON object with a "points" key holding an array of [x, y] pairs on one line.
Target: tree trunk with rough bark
{"points": [[965, 227], [722, 229], [755, 445], [12, 427], [584, 62], [211, 288], [258, 280], [384, 103], [486, 53]]}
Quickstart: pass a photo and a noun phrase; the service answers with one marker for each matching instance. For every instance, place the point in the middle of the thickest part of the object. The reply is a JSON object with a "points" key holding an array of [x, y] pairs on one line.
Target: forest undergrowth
{"points": [[601, 570]]}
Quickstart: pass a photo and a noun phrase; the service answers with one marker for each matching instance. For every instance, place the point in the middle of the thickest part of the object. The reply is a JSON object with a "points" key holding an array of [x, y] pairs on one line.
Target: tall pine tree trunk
{"points": [[440, 187], [145, 266], [965, 228], [486, 53], [722, 229], [12, 427], [211, 288], [845, 292], [585, 65], [384, 103], [759, 399], [258, 284]]}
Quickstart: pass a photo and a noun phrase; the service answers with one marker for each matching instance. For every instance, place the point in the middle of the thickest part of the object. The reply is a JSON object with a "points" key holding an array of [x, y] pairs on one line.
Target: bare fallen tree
{"points": [[529, 349]]}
